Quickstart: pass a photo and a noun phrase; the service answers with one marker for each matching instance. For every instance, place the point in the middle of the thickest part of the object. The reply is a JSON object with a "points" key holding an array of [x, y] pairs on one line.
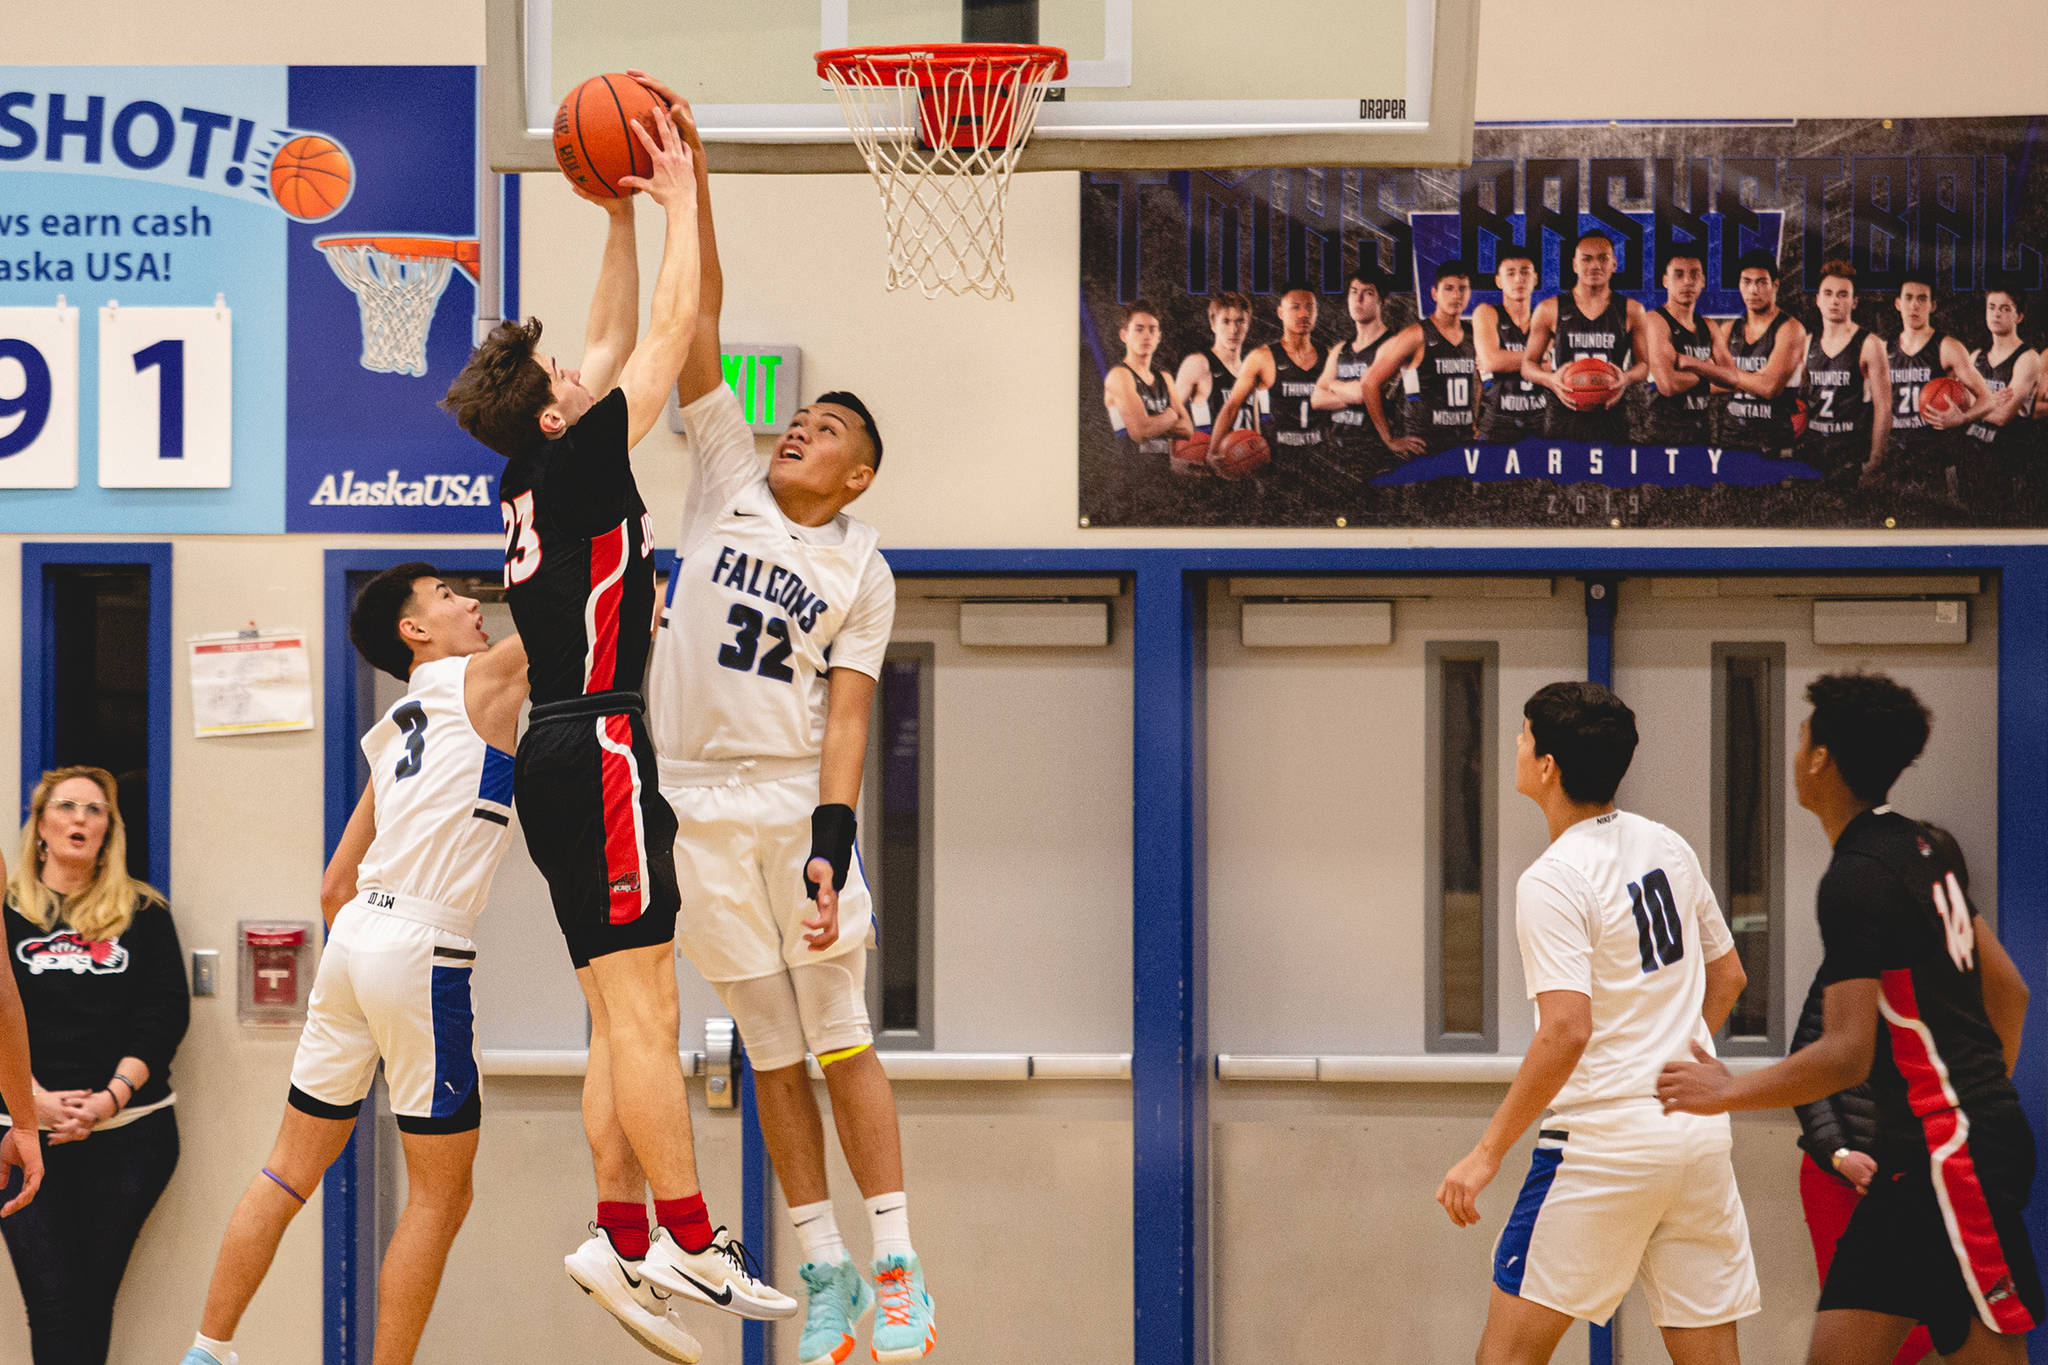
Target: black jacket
{"points": [[1847, 1118]]}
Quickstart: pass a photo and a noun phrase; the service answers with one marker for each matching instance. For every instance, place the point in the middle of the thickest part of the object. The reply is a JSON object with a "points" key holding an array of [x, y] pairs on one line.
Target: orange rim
{"points": [[466, 252], [927, 61]]}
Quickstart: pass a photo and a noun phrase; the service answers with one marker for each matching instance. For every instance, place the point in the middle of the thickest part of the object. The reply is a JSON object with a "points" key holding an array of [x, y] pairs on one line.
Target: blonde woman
{"points": [[101, 977]]}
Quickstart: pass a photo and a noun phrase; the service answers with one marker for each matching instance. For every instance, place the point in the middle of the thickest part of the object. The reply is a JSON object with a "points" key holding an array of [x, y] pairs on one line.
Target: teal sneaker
{"points": [[836, 1298], [904, 1325], [199, 1355]]}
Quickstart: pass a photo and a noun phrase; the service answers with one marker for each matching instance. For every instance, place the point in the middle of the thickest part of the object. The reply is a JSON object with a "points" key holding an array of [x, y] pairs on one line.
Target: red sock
{"points": [[686, 1221], [627, 1224]]}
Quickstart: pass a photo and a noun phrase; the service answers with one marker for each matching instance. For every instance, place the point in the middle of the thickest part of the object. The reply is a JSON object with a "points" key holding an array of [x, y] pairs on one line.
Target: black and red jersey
{"points": [[579, 566], [1892, 909]]}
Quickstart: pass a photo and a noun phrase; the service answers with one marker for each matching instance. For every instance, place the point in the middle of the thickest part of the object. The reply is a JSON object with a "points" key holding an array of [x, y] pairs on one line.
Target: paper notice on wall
{"points": [[250, 683]]}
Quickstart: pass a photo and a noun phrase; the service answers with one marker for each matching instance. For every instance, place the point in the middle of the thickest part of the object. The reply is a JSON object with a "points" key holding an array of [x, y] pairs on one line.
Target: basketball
{"points": [[310, 178], [1800, 417], [593, 144], [1943, 395], [1239, 455], [1191, 457], [1586, 382]]}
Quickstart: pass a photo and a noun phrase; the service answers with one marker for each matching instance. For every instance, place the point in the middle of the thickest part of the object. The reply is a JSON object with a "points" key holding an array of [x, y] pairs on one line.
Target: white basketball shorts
{"points": [[1622, 1190], [743, 835], [396, 990]]}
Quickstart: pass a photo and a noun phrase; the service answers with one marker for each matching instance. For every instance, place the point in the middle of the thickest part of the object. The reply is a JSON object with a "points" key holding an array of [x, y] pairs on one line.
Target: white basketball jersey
{"points": [[1618, 909], [443, 797], [758, 610]]}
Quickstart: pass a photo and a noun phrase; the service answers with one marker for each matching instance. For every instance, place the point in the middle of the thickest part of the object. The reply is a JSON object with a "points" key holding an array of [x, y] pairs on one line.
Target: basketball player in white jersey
{"points": [[1630, 964], [401, 897], [765, 662], [1207, 375]]}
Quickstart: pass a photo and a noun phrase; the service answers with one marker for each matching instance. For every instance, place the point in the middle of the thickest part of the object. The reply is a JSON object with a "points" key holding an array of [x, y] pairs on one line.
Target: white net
{"points": [[941, 137], [396, 294]]}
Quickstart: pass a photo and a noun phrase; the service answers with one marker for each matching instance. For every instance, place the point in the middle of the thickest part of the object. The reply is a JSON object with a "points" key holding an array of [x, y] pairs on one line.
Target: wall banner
{"points": [[1770, 324], [230, 296]]}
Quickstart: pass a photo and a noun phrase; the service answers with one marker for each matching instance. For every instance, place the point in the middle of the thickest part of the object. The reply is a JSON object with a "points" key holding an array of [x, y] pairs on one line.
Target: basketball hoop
{"points": [[397, 282], [944, 171]]}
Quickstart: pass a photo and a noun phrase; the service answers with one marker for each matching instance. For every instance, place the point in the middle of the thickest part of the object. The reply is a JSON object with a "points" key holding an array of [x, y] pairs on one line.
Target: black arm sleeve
{"points": [[162, 1007]]}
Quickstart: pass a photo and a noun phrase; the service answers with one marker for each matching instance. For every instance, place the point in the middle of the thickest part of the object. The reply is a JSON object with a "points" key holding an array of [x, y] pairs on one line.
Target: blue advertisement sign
{"points": [[315, 225]]}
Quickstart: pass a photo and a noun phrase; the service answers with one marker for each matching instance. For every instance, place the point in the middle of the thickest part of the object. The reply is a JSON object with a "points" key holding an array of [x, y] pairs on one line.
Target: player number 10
{"points": [[1659, 934]]}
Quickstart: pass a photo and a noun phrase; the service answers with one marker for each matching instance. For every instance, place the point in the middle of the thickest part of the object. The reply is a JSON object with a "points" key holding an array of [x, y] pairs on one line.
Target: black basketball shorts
{"points": [[1939, 1237], [596, 824]]}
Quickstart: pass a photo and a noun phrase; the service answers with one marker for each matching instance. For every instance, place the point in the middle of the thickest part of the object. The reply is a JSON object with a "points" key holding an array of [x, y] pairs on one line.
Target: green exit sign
{"points": [[766, 380]]}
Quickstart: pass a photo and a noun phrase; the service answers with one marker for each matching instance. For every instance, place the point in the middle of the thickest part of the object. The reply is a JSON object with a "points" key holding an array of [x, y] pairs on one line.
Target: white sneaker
{"points": [[723, 1275], [641, 1309]]}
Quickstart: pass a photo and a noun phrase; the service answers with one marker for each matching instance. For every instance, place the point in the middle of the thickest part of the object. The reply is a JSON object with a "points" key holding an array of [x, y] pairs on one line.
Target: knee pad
{"points": [[831, 1001], [765, 1011]]}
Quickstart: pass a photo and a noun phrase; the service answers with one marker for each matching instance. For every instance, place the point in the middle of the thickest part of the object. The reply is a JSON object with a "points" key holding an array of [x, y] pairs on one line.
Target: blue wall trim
{"points": [[38, 671]]}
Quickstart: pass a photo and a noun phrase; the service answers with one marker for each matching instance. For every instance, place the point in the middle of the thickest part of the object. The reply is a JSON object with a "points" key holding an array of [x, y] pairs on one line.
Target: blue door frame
{"points": [[39, 669], [1171, 1064]]}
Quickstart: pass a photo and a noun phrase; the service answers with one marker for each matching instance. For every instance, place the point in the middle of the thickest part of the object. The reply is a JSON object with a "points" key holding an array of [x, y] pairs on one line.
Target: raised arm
{"points": [[650, 372], [493, 690], [702, 368], [615, 307], [338, 884]]}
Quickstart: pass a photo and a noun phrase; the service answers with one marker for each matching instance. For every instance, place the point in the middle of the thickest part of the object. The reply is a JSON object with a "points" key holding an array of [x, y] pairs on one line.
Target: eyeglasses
{"points": [[94, 810]]}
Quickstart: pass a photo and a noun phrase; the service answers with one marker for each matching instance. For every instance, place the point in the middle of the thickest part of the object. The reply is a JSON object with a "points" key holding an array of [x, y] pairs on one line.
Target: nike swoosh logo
{"points": [[880, 1212], [631, 1278], [722, 1298]]}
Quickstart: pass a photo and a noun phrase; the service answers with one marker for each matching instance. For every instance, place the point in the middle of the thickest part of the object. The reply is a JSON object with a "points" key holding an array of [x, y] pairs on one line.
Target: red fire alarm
{"points": [[276, 971]]}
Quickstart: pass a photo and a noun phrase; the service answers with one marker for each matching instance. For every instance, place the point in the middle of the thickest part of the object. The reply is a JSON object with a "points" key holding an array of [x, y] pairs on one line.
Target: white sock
{"points": [[889, 1216], [218, 1349], [818, 1231]]}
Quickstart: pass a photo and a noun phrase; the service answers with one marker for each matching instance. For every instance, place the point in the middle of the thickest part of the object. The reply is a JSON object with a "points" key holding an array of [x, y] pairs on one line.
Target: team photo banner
{"points": [[1772, 324]]}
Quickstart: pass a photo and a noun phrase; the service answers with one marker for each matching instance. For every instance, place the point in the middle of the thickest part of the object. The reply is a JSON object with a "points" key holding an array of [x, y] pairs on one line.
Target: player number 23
{"points": [[522, 542], [740, 653]]}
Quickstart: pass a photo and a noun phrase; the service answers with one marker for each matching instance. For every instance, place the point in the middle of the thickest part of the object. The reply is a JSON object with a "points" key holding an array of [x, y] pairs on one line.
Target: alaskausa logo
{"points": [[433, 490]]}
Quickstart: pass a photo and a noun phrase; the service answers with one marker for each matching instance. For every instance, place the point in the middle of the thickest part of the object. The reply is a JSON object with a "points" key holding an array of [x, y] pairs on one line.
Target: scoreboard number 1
{"points": [[166, 396]]}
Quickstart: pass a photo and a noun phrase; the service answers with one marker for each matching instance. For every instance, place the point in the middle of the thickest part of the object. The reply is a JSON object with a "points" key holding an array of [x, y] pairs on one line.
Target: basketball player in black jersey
{"points": [[1848, 390], [1921, 1001], [1680, 406], [1439, 370], [1758, 358], [1591, 320], [1513, 407], [1996, 461], [1141, 401], [1339, 391], [1925, 451], [579, 574], [1206, 376], [1288, 370]]}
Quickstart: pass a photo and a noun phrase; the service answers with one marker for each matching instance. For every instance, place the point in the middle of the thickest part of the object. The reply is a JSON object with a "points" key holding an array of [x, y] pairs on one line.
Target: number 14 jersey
{"points": [[759, 610], [1618, 909]]}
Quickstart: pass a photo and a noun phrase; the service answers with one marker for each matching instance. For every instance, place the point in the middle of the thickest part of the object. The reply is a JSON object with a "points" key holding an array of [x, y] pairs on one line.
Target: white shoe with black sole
{"points": [[722, 1275], [631, 1297]]}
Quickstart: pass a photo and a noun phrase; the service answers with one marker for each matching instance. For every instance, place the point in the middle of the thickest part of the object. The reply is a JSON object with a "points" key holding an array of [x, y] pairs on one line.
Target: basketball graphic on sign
{"points": [[311, 177]]}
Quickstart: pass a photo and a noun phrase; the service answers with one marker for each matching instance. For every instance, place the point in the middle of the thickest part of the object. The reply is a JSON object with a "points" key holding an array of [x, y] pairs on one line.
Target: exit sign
{"points": [[766, 380]]}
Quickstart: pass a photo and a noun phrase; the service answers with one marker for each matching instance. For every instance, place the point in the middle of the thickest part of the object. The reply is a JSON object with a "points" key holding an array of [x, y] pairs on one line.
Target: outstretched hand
{"points": [[1699, 1086], [671, 180], [678, 107]]}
